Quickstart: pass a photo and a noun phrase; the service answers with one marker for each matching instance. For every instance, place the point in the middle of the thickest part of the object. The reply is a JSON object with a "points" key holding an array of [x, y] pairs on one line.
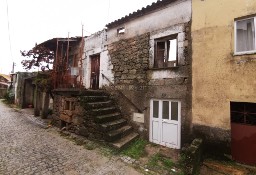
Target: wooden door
{"points": [[165, 123], [95, 71]]}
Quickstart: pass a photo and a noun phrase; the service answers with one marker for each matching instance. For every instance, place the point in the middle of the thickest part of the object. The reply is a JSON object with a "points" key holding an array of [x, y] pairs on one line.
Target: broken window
{"points": [[243, 113], [166, 52], [245, 35]]}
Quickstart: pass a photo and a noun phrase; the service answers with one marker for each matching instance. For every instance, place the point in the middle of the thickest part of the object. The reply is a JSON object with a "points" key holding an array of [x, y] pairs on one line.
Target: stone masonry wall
{"points": [[135, 77], [77, 119], [130, 60]]}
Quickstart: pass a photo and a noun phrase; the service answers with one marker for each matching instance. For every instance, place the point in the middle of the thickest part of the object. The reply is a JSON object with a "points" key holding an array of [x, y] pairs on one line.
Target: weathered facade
{"points": [[24, 89], [224, 70], [4, 84], [67, 77], [144, 61]]}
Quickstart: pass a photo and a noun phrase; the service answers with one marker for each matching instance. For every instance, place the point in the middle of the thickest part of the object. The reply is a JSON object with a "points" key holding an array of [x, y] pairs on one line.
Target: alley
{"points": [[28, 148]]}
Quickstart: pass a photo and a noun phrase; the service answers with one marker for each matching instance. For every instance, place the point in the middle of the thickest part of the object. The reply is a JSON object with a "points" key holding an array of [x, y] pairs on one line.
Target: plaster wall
{"points": [[218, 75], [96, 44], [175, 13]]}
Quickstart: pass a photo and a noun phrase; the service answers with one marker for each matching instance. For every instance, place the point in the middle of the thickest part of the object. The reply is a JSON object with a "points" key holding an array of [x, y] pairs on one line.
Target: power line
{"points": [[9, 28]]}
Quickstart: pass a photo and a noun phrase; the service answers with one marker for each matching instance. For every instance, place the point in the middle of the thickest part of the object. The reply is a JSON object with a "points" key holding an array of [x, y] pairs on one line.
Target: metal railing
{"points": [[120, 92]]}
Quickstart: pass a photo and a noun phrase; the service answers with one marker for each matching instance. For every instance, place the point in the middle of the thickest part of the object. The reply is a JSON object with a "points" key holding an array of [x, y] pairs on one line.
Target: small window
{"points": [[155, 109], [243, 113], [245, 36], [166, 52], [69, 105], [120, 31], [165, 110]]}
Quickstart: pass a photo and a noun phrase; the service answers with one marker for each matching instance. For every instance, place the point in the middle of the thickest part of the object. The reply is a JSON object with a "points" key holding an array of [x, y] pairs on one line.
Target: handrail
{"points": [[139, 110]]}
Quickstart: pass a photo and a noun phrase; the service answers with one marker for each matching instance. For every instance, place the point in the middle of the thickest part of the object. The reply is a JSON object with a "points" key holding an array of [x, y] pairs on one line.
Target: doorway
{"points": [[95, 72], [165, 122]]}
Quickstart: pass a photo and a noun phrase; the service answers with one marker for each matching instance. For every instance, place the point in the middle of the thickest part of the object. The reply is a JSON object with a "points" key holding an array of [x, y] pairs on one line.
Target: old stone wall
{"points": [[129, 58], [135, 77], [74, 118]]}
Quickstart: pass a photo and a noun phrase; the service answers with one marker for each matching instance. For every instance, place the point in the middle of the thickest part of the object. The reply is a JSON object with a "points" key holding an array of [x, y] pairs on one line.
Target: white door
{"points": [[165, 122]]}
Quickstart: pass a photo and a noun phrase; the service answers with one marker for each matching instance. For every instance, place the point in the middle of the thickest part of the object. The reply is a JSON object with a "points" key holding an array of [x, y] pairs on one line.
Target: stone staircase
{"points": [[108, 119]]}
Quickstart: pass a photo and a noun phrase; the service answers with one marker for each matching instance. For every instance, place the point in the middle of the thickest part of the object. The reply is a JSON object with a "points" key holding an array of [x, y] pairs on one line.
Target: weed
{"points": [[108, 151], [89, 146], [160, 164], [9, 98], [153, 161], [136, 149]]}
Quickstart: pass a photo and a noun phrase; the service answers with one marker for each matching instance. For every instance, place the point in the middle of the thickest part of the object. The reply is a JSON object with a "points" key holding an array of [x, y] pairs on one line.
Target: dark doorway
{"points": [[95, 71]]}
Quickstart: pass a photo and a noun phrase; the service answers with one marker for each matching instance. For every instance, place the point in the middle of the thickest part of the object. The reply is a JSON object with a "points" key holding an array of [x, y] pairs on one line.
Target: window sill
{"points": [[245, 53], [164, 68]]}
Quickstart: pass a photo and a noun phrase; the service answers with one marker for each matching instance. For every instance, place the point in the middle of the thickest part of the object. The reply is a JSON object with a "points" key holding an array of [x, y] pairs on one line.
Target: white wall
{"points": [[96, 44], [175, 13]]}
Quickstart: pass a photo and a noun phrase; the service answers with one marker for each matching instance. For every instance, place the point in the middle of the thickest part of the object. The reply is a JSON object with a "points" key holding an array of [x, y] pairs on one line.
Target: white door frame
{"points": [[161, 121]]}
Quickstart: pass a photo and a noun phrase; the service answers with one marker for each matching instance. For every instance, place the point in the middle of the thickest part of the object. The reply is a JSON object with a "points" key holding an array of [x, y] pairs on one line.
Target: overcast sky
{"points": [[35, 21]]}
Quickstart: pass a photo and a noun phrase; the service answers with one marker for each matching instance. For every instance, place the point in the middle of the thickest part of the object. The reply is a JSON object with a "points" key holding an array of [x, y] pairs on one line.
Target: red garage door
{"points": [[243, 132]]}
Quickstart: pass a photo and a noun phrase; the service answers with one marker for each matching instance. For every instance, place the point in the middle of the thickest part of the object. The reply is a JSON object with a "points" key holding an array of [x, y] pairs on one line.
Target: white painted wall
{"points": [[96, 44], [175, 13]]}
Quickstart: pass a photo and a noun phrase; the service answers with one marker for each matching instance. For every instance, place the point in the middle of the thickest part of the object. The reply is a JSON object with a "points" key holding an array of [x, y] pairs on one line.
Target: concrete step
{"points": [[95, 105], [125, 141], [107, 117], [88, 99], [119, 133], [102, 111], [109, 126]]}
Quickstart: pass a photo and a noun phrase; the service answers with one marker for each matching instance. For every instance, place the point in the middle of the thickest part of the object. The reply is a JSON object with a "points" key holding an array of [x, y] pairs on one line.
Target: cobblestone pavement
{"points": [[26, 147]]}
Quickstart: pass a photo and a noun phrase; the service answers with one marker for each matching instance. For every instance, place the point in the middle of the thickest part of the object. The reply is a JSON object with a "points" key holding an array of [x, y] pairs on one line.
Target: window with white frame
{"points": [[245, 35], [166, 52]]}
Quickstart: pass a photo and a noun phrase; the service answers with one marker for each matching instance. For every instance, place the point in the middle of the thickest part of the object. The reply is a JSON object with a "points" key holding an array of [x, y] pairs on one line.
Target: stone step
{"points": [[102, 111], [88, 99], [107, 118], [118, 134], [94, 105], [109, 126], [125, 141], [93, 93]]}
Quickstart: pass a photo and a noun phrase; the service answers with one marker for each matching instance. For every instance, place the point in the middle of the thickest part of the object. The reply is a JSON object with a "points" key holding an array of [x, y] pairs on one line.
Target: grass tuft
{"points": [[136, 149]]}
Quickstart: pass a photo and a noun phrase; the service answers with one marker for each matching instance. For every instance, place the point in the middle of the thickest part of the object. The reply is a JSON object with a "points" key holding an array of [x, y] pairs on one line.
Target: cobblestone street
{"points": [[28, 148]]}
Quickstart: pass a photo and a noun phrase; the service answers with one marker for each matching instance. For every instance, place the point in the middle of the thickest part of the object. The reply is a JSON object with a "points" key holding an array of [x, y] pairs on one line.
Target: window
{"points": [[70, 105], [245, 36], [120, 31], [243, 113], [166, 52], [168, 109]]}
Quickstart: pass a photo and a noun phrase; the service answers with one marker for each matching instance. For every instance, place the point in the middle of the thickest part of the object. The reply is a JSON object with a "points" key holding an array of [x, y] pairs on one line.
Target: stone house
{"points": [[224, 71], [4, 84], [143, 61], [27, 95]]}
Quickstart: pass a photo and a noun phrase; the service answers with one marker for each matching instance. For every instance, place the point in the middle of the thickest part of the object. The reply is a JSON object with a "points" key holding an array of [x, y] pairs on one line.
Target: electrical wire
{"points": [[9, 34]]}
